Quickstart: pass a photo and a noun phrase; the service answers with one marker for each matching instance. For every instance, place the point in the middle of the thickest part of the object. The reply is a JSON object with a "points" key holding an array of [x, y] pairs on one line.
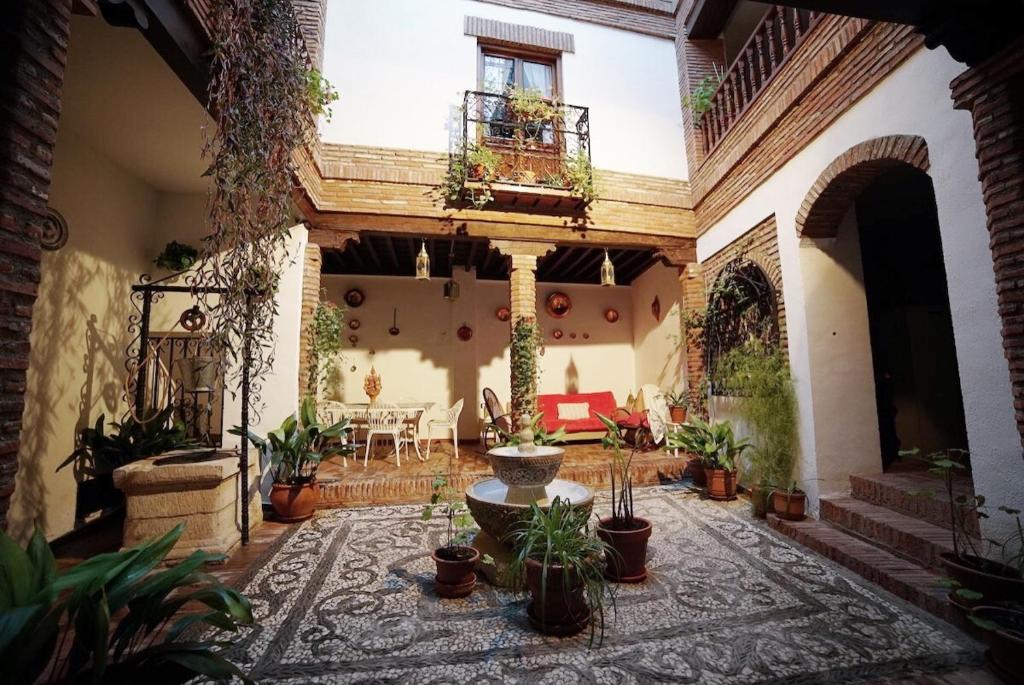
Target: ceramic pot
{"points": [[790, 506], [294, 502], [456, 570], [677, 414], [627, 558], [996, 582], [695, 469], [721, 484], [1006, 643], [759, 501], [562, 608]]}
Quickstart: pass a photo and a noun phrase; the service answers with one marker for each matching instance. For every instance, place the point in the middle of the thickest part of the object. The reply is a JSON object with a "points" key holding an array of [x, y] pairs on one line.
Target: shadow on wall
{"points": [[75, 374]]}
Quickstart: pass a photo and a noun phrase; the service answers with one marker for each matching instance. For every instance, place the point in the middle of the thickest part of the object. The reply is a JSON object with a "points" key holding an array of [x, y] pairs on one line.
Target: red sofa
{"points": [[581, 429]]}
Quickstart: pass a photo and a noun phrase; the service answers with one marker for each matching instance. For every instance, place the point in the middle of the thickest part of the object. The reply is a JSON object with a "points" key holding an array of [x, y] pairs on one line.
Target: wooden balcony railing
{"points": [[778, 35]]}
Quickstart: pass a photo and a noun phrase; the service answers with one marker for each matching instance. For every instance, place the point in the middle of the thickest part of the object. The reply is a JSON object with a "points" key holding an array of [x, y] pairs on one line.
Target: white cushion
{"points": [[571, 411]]}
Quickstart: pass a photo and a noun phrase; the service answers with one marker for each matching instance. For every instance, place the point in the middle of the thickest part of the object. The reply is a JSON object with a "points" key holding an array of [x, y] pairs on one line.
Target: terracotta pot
{"points": [[561, 609], [695, 469], [960, 610], [721, 484], [996, 582], [1006, 644], [790, 506], [760, 498], [677, 414], [627, 558], [294, 502], [456, 577]]}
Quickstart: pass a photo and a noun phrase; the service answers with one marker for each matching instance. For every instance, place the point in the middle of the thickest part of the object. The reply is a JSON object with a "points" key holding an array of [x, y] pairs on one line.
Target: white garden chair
{"points": [[450, 421], [331, 412], [385, 420]]}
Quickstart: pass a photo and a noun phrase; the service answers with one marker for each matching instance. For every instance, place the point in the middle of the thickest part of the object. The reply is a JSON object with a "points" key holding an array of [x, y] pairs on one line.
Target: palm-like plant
{"points": [[715, 444], [540, 433], [57, 627], [296, 449]]}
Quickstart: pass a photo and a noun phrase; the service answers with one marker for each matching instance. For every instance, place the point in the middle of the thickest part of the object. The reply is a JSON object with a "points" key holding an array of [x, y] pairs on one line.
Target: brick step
{"points": [[896, 491], [903, 535], [903, 578]]}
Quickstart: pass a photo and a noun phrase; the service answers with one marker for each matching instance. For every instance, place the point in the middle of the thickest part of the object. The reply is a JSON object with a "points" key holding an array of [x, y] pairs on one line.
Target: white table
{"points": [[413, 410]]}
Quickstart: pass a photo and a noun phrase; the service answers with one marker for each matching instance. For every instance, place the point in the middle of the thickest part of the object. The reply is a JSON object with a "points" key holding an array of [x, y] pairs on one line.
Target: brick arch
{"points": [[849, 174]]}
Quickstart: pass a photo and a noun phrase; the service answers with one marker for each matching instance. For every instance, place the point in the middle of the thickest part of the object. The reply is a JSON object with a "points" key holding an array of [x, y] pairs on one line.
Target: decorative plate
{"points": [[611, 315], [354, 324], [557, 334], [354, 298], [464, 333], [558, 304], [55, 230], [503, 313]]}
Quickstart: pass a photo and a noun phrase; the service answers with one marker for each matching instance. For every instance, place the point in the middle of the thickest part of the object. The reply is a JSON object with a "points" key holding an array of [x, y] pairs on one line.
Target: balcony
{"points": [[520, 151], [777, 36]]}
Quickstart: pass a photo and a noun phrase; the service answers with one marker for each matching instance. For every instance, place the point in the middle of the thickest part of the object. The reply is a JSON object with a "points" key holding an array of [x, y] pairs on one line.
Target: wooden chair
{"points": [[498, 418], [449, 422], [386, 420]]}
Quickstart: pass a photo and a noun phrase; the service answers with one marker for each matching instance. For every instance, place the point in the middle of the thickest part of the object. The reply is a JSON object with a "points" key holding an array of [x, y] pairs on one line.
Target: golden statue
{"points": [[371, 385]]}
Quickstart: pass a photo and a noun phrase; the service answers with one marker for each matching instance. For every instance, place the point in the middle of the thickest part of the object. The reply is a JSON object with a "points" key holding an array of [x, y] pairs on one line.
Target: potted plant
{"points": [[625, 534], [455, 560], [789, 504], [1003, 630], [968, 564], [677, 403], [295, 451], [177, 256], [540, 434], [718, 449], [560, 564], [483, 162]]}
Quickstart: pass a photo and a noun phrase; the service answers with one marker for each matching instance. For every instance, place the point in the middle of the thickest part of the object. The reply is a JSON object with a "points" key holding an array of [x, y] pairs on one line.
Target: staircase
{"points": [[887, 534]]}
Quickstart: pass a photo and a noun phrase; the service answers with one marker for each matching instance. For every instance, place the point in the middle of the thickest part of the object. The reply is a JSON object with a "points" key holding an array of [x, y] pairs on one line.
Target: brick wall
{"points": [[994, 93], [33, 51], [312, 261], [651, 17], [311, 15]]}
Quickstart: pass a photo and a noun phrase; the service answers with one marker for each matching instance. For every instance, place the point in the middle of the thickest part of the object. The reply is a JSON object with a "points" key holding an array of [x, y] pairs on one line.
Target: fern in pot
{"points": [[560, 563], [625, 533]]}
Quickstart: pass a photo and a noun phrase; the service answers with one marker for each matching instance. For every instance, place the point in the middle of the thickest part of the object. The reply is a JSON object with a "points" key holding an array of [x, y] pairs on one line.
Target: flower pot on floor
{"points": [[759, 501], [561, 608], [996, 582], [294, 502], [1006, 641], [791, 506], [456, 574], [695, 470], [677, 414], [721, 484], [627, 558]]}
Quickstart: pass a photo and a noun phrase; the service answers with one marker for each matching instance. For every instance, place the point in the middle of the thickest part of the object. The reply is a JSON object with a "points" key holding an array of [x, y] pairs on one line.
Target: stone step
{"points": [[903, 535], [903, 578], [896, 491]]}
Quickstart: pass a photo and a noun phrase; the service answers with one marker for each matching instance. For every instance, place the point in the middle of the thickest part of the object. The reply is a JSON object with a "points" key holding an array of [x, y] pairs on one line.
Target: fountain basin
{"points": [[526, 466], [498, 508]]}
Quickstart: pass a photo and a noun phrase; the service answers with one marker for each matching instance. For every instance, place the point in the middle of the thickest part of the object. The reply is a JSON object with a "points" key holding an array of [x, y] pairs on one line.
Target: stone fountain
{"points": [[524, 474]]}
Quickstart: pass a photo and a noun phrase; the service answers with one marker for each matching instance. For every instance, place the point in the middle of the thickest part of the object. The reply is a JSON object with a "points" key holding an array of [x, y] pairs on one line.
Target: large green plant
{"points": [[540, 433], [525, 342], [99, 453], [325, 339], [622, 479], [758, 376], [715, 444], [112, 618], [296, 449], [559, 538], [699, 99]]}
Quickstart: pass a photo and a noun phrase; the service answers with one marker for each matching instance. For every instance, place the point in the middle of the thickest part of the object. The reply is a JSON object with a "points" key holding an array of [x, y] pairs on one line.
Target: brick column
{"points": [[33, 50], [312, 261], [691, 281], [993, 91], [523, 304]]}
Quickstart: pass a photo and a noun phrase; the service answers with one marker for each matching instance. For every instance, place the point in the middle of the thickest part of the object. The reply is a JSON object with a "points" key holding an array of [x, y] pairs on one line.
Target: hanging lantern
{"points": [[607, 271], [423, 263], [451, 290]]}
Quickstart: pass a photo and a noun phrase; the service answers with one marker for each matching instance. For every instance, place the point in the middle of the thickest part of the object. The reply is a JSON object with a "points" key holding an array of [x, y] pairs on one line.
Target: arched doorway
{"points": [[884, 373]]}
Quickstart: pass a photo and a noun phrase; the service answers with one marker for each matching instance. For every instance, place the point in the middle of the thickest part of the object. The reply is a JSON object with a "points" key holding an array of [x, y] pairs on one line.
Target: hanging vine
{"points": [[526, 340], [261, 102], [324, 344]]}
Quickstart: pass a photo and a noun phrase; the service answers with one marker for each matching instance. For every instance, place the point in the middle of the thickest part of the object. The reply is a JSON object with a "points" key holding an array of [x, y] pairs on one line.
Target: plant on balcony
{"points": [[325, 338], [528, 106], [483, 162], [56, 627], [579, 176], [699, 99], [177, 256], [477, 162], [320, 94]]}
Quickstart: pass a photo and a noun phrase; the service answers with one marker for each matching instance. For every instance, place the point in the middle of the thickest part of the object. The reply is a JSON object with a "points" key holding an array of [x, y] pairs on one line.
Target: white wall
{"points": [[659, 345], [428, 362], [402, 66], [920, 87]]}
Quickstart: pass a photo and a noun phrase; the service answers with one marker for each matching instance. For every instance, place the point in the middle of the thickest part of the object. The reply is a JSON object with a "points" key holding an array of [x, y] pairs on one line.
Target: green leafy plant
{"points": [[560, 540], [540, 433], [461, 167], [622, 480], [177, 256], [529, 106], [58, 627], [526, 340], [325, 337], [758, 375], [461, 525], [296, 449], [321, 93], [483, 162], [699, 99], [579, 176], [99, 453], [677, 399], [714, 444]]}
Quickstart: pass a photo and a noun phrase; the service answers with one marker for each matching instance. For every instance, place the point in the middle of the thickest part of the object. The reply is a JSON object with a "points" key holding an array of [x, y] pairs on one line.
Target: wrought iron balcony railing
{"points": [[524, 140], [781, 31]]}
